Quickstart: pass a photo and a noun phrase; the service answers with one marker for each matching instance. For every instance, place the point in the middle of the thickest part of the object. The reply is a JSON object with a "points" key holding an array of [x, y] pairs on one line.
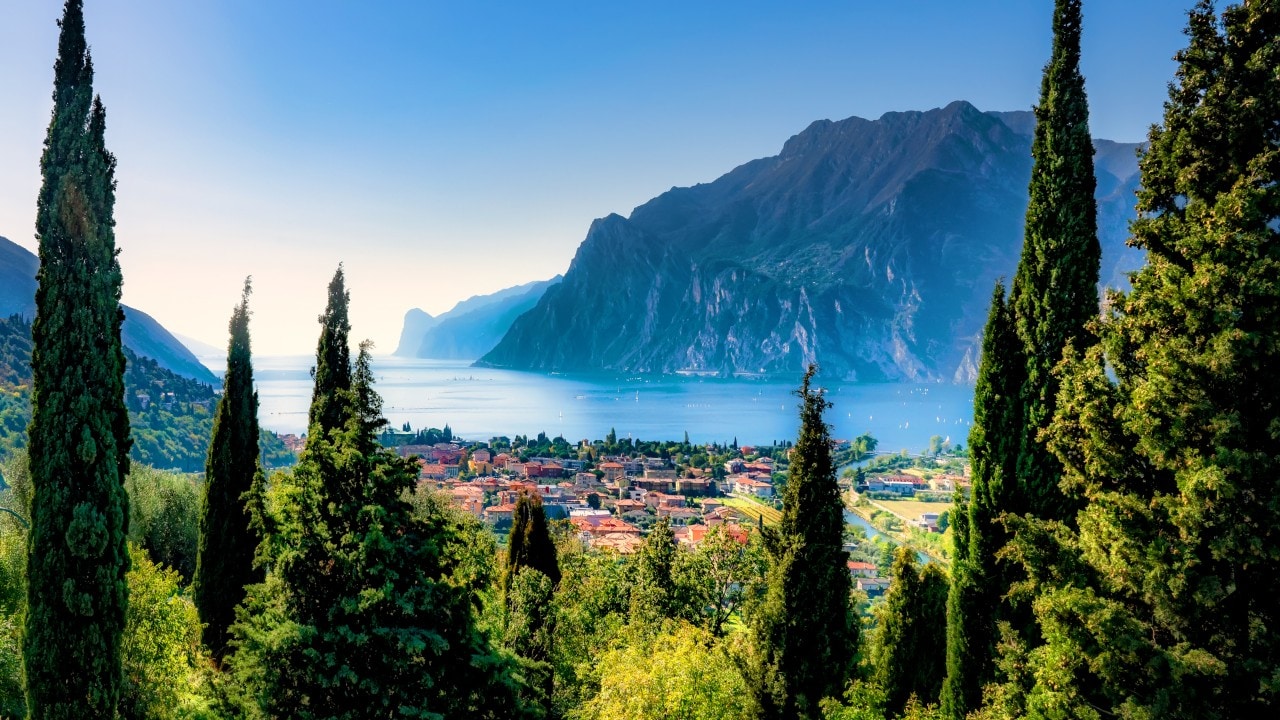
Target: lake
{"points": [[479, 403]]}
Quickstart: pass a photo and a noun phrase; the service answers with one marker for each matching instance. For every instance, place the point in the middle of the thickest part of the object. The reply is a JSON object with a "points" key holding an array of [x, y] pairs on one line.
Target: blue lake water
{"points": [[479, 403]]}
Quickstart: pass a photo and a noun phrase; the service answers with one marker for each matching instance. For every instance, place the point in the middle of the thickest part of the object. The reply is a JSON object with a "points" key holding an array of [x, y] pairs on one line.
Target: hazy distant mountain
{"points": [[868, 246], [201, 349], [141, 333], [416, 324], [472, 327]]}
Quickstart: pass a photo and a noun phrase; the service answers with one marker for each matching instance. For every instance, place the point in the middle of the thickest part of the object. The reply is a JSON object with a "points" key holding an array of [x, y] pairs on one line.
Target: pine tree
{"points": [[79, 433], [912, 624], [332, 373], [1054, 291], [1170, 425], [234, 483], [805, 635], [977, 580]]}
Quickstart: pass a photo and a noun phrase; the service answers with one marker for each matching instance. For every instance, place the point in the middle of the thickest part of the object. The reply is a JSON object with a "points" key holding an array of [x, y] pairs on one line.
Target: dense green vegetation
{"points": [[170, 416]]}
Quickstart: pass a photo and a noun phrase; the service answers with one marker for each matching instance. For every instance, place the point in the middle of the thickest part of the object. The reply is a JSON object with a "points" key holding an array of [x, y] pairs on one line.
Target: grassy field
{"points": [[912, 509], [753, 509]]}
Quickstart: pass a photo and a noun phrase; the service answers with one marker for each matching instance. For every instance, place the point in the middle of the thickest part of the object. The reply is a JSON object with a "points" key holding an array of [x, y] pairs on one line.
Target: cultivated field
{"points": [[911, 509]]}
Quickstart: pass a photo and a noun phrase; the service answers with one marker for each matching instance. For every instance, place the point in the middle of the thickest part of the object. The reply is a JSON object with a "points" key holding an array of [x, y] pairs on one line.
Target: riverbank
{"points": [[901, 537]]}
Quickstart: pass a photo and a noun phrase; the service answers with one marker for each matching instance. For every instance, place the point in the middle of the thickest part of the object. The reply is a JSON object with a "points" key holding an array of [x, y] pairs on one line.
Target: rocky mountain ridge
{"points": [[868, 246]]}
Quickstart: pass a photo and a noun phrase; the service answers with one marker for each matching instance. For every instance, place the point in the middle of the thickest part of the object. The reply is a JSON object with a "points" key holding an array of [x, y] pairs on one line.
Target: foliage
{"points": [[1163, 602], [529, 543], [805, 634], [681, 673], [13, 582], [361, 613], [1054, 289], [912, 628], [977, 576], [715, 579], [79, 433], [161, 647], [591, 608], [164, 516], [654, 595], [231, 508]]}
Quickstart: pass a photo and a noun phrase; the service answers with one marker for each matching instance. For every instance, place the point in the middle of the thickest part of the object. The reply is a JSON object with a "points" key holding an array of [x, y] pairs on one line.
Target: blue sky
{"points": [[443, 150]]}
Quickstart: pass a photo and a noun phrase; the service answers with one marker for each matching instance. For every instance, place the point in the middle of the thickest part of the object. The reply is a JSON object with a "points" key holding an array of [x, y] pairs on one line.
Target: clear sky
{"points": [[442, 150]]}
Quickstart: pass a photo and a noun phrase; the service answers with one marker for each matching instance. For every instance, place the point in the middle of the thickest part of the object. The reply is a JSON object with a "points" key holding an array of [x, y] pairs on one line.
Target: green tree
{"points": [[365, 611], [1163, 603], [332, 373], [164, 517], [234, 480], [912, 624], [976, 574], [531, 574], [1054, 291], [161, 644], [805, 635], [79, 433], [679, 672], [718, 577], [654, 595], [529, 543]]}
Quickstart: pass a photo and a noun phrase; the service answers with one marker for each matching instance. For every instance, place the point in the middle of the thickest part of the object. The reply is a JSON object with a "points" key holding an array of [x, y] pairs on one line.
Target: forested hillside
{"points": [[170, 416]]}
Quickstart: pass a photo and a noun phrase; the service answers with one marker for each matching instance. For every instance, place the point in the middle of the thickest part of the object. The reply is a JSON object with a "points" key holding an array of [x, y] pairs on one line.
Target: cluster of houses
{"points": [[607, 507], [909, 485]]}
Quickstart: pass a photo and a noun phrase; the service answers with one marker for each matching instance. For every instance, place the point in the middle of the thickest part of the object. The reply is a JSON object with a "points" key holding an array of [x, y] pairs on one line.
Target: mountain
{"points": [[416, 324], [170, 416], [473, 326], [867, 246], [140, 333]]}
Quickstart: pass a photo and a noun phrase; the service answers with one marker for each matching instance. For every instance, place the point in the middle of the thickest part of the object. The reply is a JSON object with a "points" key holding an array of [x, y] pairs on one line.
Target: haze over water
{"points": [[479, 403]]}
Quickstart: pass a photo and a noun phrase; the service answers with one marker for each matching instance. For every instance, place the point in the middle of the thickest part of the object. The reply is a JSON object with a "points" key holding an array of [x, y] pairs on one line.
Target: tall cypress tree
{"points": [[805, 634], [229, 536], [79, 433], [977, 581], [1170, 426], [332, 373], [529, 543], [1054, 291]]}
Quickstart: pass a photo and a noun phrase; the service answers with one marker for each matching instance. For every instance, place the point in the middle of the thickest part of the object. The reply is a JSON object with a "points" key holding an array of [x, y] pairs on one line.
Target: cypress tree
{"points": [[233, 488], [907, 654], [977, 582], [805, 634], [1054, 291], [79, 432], [1170, 425], [529, 543], [332, 373], [654, 596]]}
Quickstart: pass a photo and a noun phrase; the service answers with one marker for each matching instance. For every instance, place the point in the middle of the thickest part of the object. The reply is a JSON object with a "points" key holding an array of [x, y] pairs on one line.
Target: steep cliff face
{"points": [[869, 247]]}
